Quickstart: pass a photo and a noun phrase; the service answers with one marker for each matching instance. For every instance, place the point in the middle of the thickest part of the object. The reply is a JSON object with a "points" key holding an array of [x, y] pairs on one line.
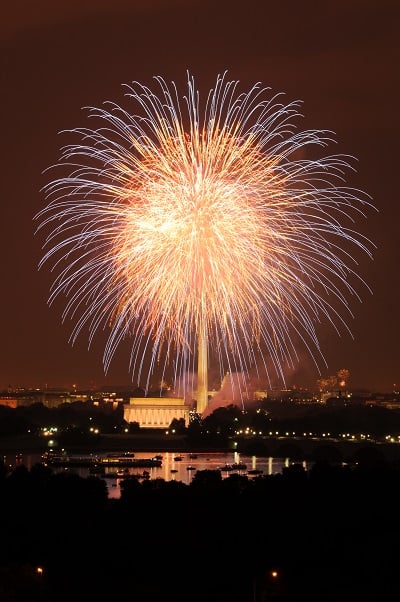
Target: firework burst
{"points": [[202, 232]]}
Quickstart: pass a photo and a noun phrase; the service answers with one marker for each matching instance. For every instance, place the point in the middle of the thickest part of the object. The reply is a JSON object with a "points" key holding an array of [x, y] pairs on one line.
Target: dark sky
{"points": [[340, 58]]}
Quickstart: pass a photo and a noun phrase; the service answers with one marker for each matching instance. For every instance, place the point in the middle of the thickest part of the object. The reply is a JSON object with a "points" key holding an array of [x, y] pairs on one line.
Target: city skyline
{"points": [[59, 61]]}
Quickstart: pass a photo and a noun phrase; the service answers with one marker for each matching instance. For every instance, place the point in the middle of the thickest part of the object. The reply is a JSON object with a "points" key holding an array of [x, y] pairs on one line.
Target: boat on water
{"points": [[131, 462], [125, 474], [233, 467], [99, 463], [127, 454]]}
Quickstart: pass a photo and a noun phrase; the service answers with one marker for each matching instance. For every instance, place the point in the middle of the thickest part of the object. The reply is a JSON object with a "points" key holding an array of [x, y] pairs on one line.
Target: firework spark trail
{"points": [[173, 221]]}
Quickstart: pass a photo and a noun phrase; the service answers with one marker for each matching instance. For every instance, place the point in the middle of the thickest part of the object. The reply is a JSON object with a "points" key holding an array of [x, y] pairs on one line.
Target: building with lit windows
{"points": [[156, 412]]}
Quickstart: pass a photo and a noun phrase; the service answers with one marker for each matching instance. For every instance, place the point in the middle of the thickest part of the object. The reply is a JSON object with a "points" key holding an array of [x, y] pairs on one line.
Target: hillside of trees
{"points": [[330, 534]]}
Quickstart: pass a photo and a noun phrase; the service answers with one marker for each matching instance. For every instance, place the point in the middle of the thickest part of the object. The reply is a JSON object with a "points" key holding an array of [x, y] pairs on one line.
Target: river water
{"points": [[176, 466]]}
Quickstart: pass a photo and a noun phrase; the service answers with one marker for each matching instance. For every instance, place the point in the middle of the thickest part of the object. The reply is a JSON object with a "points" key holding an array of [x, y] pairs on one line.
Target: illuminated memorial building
{"points": [[156, 412], [159, 412]]}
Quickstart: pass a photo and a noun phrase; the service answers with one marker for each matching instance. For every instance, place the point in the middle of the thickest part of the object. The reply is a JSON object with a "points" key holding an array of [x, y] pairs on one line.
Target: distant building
{"points": [[156, 412], [335, 397], [11, 402], [340, 401]]}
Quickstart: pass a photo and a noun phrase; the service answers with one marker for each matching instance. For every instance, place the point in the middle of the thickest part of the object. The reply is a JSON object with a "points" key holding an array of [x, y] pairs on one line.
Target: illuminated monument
{"points": [[202, 374], [156, 412], [159, 412]]}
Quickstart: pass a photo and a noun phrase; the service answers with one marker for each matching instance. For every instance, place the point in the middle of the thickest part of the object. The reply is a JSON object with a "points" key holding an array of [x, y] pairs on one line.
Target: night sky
{"points": [[340, 58]]}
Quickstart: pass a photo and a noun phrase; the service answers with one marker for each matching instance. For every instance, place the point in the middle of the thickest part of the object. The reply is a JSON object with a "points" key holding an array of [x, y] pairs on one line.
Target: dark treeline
{"points": [[331, 533], [77, 417]]}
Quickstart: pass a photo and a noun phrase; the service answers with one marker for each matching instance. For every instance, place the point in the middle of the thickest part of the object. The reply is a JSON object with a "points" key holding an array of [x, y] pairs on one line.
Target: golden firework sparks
{"points": [[186, 228]]}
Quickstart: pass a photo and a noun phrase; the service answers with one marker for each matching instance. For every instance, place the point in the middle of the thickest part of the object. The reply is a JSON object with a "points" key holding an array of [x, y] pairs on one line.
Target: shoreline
{"points": [[364, 452], [123, 443]]}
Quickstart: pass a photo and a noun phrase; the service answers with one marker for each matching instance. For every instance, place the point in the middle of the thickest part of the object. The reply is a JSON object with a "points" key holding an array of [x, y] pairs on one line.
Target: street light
{"points": [[265, 584], [39, 571]]}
